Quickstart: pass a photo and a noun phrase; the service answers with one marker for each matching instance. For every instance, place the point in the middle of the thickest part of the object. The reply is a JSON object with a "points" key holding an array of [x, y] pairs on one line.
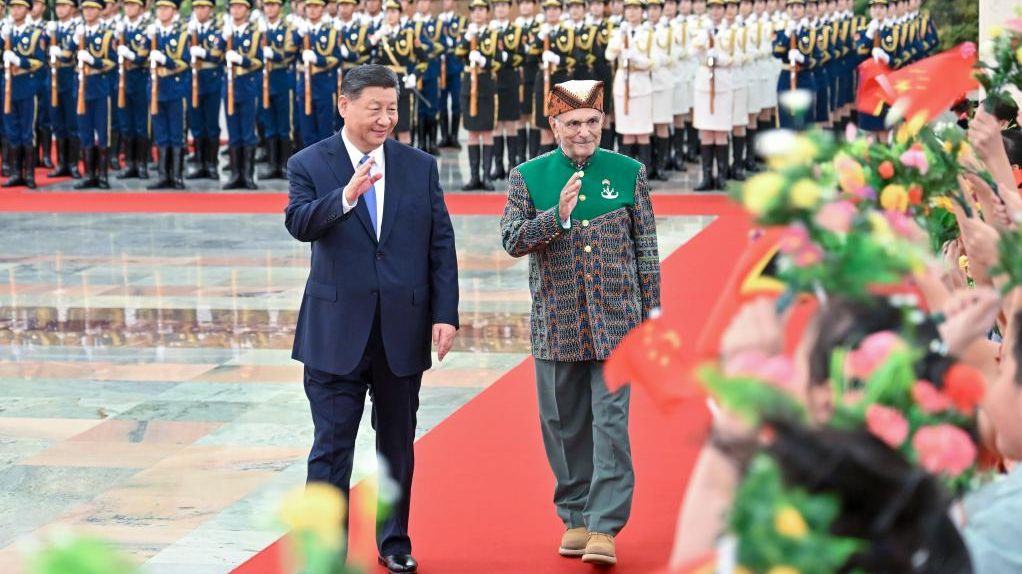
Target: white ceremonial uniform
{"points": [[714, 95], [636, 64], [685, 65], [736, 48], [663, 73]]}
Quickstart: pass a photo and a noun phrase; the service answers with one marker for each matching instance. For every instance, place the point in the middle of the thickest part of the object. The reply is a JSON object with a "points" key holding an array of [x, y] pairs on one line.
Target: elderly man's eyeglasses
{"points": [[592, 124]]}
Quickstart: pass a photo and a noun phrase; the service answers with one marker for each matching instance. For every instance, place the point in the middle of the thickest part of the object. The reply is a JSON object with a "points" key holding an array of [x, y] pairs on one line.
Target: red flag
{"points": [[929, 86], [872, 84], [650, 356]]}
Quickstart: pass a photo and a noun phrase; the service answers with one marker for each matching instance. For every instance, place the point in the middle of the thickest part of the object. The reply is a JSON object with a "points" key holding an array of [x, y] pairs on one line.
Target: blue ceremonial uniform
{"points": [[806, 43], [823, 70], [133, 53], [278, 118], [25, 62], [428, 34], [204, 119], [319, 124], [113, 25], [246, 41], [94, 120], [453, 26], [886, 38], [63, 116], [354, 52], [173, 84]]}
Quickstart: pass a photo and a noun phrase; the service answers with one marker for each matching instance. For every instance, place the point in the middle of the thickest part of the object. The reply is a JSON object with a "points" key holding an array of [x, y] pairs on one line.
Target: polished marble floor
{"points": [[148, 392]]}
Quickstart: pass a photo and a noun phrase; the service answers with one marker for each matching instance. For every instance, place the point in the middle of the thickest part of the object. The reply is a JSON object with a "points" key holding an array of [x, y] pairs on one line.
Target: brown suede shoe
{"points": [[600, 550], [573, 543]]}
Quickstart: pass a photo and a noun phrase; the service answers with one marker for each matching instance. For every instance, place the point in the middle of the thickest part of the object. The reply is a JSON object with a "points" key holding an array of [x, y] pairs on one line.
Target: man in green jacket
{"points": [[583, 216]]}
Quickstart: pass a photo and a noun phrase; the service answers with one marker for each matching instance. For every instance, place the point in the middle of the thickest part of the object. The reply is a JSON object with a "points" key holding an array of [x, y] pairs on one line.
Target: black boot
{"points": [[709, 183], [534, 143], [142, 154], [46, 143], [645, 157], [17, 178], [236, 181], [201, 170], [487, 162], [28, 166], [523, 143], [663, 154], [213, 158], [272, 170], [5, 149], [63, 170], [737, 172], [455, 128], [163, 180], [177, 167], [498, 171], [607, 139], [248, 167], [74, 154], [130, 160], [263, 149], [694, 145], [678, 143], [512, 153], [473, 182], [286, 148], [721, 156], [193, 157], [103, 177], [750, 151], [445, 128], [115, 147], [91, 178], [620, 142]]}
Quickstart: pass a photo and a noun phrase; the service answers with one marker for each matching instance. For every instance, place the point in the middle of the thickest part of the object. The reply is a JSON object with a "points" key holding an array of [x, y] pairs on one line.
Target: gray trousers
{"points": [[585, 432]]}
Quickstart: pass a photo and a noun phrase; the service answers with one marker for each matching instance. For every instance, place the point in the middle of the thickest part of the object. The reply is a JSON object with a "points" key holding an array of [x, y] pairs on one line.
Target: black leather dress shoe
{"points": [[399, 564]]}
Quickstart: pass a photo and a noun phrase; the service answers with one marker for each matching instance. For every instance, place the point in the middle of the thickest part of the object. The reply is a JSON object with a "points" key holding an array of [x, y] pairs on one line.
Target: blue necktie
{"points": [[370, 199]]}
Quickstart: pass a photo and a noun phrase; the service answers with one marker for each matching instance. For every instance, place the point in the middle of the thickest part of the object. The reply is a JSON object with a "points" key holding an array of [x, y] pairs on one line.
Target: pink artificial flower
{"points": [[900, 222], [887, 424], [745, 363], [930, 400], [915, 157], [1012, 24], [968, 49], [944, 449], [836, 217], [795, 239], [851, 131], [809, 255], [872, 353], [778, 370]]}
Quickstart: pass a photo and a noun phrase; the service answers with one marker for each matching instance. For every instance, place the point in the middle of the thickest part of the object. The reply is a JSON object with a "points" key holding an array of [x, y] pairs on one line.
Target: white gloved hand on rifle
{"points": [[198, 52], [796, 57], [126, 53], [476, 57], [267, 53], [309, 57], [12, 59], [551, 58], [880, 55], [56, 51], [874, 27], [234, 57], [158, 57], [410, 80], [471, 32], [85, 56]]}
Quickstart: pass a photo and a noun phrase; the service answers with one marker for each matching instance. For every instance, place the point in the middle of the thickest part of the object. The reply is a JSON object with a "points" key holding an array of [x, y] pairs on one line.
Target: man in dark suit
{"points": [[383, 284]]}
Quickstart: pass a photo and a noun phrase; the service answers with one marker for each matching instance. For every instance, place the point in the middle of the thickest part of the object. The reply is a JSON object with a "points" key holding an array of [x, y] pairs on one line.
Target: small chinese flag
{"points": [[650, 356], [873, 86]]}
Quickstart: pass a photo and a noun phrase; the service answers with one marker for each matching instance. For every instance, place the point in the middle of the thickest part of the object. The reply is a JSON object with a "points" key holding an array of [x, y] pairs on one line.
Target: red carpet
{"points": [[24, 200], [482, 494]]}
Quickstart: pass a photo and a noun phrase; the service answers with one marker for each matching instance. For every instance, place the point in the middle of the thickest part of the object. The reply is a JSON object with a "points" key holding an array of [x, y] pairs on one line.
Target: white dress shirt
{"points": [[378, 167]]}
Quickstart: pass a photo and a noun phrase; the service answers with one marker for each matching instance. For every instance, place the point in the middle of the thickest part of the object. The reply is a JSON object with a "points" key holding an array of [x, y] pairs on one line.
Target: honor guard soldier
{"points": [[25, 61], [759, 68], [631, 49], [44, 125], [796, 46], [663, 83], [170, 70], [394, 46], [686, 137], [737, 52], [243, 91], [930, 38], [110, 19], [509, 89], [373, 17], [281, 52], [453, 26], [585, 37], [483, 58], [602, 69], [880, 42], [63, 113], [206, 54], [558, 56], [714, 96], [132, 55], [354, 39], [428, 32], [95, 45], [321, 56], [825, 58], [530, 23]]}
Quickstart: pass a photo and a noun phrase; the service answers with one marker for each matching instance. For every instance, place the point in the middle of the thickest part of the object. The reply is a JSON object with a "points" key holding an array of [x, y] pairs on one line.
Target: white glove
{"points": [[234, 57], [85, 56], [544, 31], [471, 32], [126, 53], [790, 28], [12, 59], [477, 58], [56, 51], [228, 30], [158, 57], [449, 41], [880, 54], [871, 31], [51, 27], [376, 37], [551, 58], [345, 52], [198, 52], [267, 53], [150, 30], [796, 57], [712, 53], [309, 57], [410, 80]]}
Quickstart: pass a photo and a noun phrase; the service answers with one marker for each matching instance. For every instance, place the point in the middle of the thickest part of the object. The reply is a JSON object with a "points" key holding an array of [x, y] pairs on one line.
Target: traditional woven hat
{"points": [[575, 95]]}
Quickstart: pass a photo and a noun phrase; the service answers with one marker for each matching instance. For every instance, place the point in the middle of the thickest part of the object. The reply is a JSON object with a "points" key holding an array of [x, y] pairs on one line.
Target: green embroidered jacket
{"points": [[596, 280]]}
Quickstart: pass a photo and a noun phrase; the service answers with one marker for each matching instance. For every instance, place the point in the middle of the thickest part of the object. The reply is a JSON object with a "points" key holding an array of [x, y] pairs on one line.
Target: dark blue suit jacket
{"points": [[411, 273]]}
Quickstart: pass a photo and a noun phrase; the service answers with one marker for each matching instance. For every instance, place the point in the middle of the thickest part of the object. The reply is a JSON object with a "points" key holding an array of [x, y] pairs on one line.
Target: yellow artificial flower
{"points": [[850, 175], [805, 194], [894, 198], [318, 508], [881, 227], [964, 152], [789, 522], [944, 202], [963, 262], [948, 147], [801, 151], [916, 123], [783, 570], [1018, 55], [996, 31], [761, 192]]}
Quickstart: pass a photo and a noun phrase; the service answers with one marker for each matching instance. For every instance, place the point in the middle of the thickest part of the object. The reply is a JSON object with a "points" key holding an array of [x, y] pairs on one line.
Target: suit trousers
{"points": [[585, 433], [337, 402]]}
